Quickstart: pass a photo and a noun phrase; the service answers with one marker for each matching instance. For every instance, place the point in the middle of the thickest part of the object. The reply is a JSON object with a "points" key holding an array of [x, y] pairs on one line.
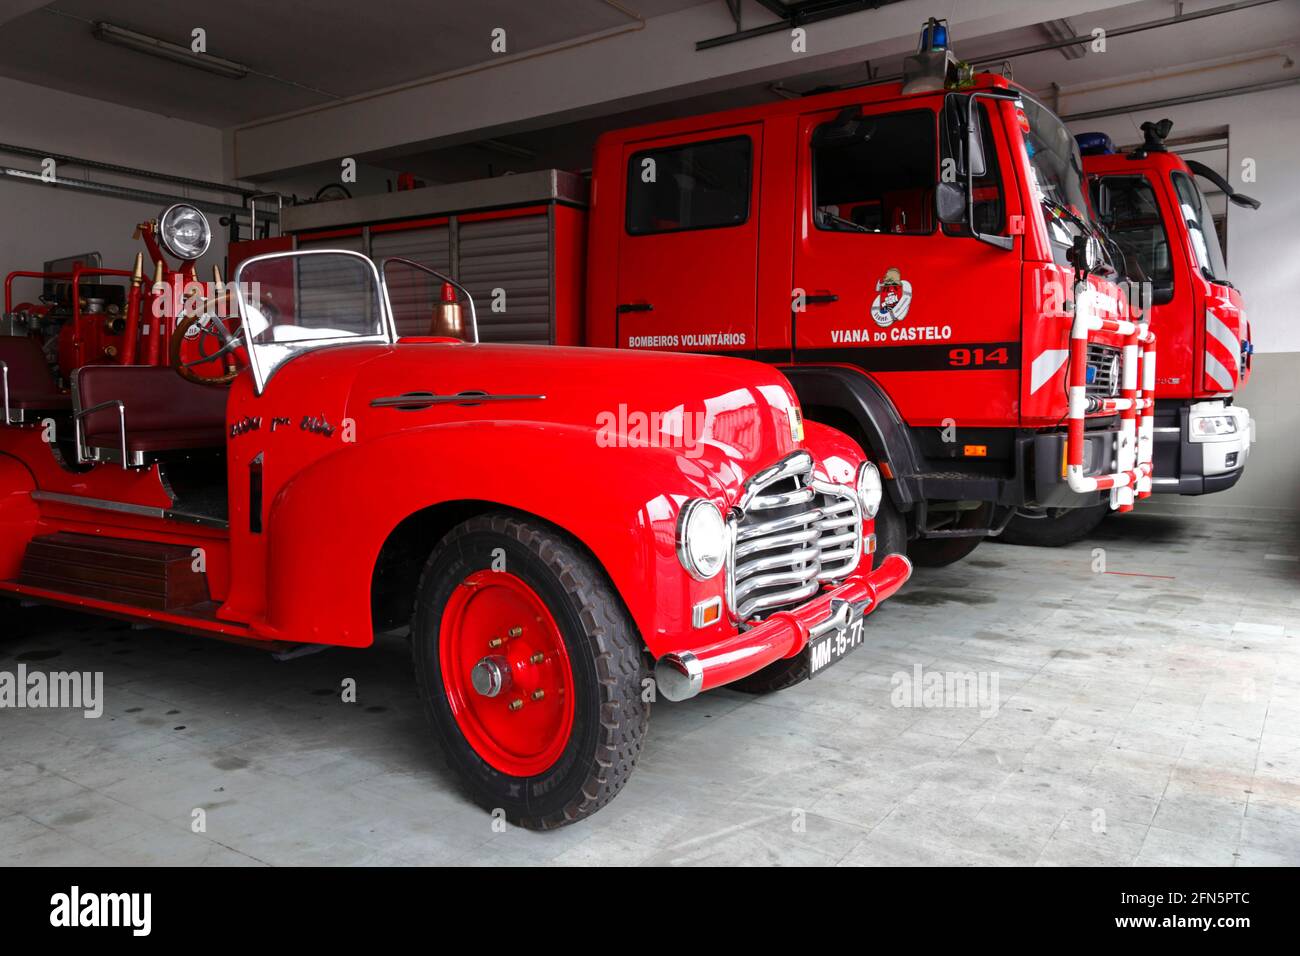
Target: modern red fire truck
{"points": [[921, 261], [1152, 206], [339, 456], [987, 368]]}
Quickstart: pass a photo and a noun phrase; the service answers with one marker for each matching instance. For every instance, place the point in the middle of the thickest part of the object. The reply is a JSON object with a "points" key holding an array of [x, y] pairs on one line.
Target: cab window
{"points": [[1133, 221], [881, 180], [702, 185]]}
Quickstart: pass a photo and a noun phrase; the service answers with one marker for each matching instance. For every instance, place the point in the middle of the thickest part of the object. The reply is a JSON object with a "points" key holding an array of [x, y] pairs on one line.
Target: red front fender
{"points": [[329, 523]]}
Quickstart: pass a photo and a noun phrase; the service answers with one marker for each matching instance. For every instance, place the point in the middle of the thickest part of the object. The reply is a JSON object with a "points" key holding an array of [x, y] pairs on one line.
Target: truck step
{"points": [[146, 574]]}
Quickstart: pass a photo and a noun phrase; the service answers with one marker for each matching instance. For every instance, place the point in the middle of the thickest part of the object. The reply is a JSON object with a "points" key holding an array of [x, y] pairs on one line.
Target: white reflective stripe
{"points": [[1219, 375], [1222, 334], [1047, 364], [1078, 401], [1130, 367]]}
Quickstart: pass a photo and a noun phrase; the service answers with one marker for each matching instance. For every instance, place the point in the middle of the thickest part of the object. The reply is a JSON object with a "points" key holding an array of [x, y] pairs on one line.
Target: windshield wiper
{"points": [[847, 222]]}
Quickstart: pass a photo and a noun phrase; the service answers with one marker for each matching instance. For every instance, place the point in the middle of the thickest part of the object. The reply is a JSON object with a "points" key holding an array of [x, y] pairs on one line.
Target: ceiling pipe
{"points": [[131, 171], [121, 192], [1074, 41], [1152, 105], [1125, 31]]}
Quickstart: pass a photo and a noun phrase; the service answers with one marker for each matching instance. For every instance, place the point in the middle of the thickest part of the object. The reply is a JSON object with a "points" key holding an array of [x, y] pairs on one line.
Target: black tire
{"points": [[777, 675], [891, 532], [605, 655], [938, 552], [1056, 527]]}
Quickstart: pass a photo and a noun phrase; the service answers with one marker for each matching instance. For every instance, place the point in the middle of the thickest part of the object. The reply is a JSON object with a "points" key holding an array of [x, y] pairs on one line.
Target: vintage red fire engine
{"points": [[548, 521]]}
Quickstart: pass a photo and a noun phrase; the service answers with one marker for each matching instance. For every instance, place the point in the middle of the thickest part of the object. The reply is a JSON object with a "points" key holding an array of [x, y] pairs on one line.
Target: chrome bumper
{"points": [[681, 675]]}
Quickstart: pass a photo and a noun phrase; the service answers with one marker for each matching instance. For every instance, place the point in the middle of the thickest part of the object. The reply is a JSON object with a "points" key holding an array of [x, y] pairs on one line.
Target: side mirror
{"points": [[1101, 198], [950, 203]]}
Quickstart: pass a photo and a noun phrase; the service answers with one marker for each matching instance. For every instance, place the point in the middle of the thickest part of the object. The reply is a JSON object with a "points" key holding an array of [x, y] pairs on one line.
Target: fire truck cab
{"points": [[920, 260], [1154, 208]]}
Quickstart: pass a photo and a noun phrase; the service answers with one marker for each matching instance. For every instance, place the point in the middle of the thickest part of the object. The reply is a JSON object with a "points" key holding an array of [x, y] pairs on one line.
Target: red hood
{"points": [[729, 417]]}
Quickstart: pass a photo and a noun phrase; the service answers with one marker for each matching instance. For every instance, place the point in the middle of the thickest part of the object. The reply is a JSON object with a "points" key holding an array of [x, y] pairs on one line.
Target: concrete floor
{"points": [[1147, 715]]}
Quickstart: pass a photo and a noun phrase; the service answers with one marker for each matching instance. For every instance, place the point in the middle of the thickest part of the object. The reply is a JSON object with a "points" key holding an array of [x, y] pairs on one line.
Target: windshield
{"points": [[1200, 225], [1057, 177], [427, 303], [294, 302]]}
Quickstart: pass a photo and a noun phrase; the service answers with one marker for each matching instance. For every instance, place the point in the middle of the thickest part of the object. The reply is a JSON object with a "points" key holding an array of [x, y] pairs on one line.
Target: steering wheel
{"points": [[201, 321]]}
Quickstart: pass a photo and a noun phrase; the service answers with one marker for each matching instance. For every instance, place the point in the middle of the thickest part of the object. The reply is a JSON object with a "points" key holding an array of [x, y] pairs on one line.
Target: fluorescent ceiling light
{"points": [[183, 55]]}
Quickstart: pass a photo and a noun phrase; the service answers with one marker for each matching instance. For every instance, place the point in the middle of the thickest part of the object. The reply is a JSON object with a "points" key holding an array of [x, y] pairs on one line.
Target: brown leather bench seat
{"points": [[163, 412], [30, 382]]}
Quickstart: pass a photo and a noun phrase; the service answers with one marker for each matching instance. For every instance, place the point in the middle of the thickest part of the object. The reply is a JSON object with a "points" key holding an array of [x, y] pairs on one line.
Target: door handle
{"points": [[635, 307], [822, 299]]}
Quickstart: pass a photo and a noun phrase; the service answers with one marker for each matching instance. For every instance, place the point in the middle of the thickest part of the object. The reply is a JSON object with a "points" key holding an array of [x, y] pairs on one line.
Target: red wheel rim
{"points": [[495, 619]]}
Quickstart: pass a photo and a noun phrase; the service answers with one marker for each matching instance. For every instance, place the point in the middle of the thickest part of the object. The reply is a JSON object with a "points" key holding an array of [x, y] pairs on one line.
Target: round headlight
{"points": [[184, 231], [870, 488], [701, 539]]}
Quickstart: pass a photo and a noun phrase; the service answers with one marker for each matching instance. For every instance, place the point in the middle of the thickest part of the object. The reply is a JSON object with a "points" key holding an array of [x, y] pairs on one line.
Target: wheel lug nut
{"points": [[537, 658], [538, 694], [516, 704], [496, 642], [515, 631]]}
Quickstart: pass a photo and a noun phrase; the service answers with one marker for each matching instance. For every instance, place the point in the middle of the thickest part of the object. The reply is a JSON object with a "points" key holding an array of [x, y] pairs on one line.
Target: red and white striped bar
{"points": [[1135, 405]]}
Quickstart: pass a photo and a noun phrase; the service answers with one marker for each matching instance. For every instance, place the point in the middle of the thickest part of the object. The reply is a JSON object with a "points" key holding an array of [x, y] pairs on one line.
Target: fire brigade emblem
{"points": [[893, 299]]}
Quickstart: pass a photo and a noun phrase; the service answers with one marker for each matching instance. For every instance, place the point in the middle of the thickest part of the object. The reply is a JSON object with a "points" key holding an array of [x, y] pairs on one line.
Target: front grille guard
{"points": [[1131, 477], [779, 562]]}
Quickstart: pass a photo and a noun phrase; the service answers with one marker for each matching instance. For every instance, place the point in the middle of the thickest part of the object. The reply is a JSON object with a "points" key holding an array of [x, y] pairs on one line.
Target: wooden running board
{"points": [[144, 574]]}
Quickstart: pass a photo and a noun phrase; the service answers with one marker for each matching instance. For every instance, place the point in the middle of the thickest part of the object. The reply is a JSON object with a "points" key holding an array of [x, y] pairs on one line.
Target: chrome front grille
{"points": [[1105, 367], [789, 535]]}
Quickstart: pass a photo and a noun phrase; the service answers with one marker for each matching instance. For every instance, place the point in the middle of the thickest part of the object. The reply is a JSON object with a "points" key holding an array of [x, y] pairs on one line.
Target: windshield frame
{"points": [[1209, 258], [1080, 206], [263, 372], [403, 260]]}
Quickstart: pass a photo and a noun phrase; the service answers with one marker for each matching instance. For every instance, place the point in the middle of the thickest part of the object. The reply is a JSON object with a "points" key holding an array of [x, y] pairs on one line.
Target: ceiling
{"points": [[317, 49], [1235, 49]]}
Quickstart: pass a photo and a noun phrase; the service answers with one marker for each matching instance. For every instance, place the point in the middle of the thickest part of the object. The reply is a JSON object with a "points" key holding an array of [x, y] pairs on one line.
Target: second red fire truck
{"points": [[1152, 205]]}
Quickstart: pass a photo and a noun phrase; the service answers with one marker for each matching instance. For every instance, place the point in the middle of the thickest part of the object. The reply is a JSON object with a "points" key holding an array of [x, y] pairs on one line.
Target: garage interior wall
{"points": [[43, 222], [1264, 262]]}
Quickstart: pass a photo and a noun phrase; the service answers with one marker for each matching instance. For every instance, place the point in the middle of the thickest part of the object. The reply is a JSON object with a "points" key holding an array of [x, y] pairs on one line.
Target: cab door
{"points": [[688, 250], [928, 310]]}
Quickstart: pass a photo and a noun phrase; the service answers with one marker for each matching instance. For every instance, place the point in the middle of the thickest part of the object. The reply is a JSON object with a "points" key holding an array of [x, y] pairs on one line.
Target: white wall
{"points": [[39, 222], [1264, 243]]}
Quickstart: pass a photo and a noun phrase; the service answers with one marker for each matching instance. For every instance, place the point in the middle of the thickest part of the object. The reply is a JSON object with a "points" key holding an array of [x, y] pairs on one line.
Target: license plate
{"points": [[832, 647]]}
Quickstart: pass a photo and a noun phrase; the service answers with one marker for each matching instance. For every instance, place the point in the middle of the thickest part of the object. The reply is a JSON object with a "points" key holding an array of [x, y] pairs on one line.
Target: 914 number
{"points": [[969, 358]]}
